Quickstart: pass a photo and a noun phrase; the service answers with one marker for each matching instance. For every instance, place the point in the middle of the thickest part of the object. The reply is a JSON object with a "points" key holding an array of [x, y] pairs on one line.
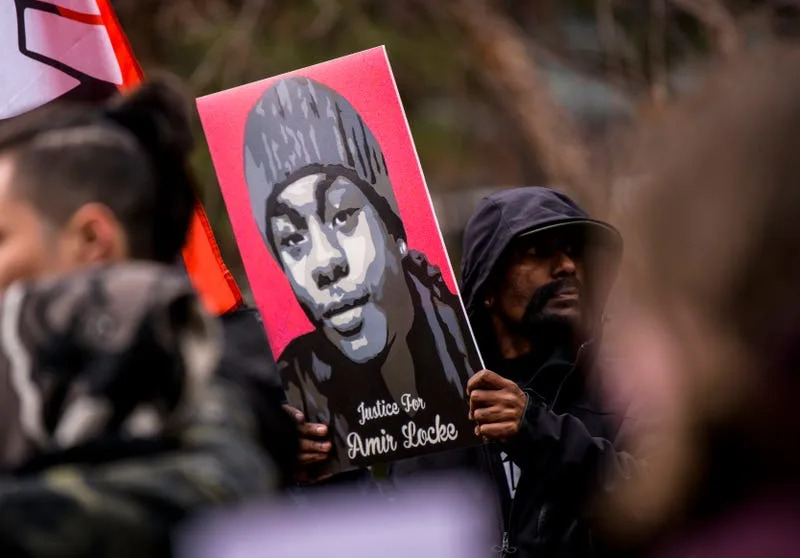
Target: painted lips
{"points": [[346, 317]]}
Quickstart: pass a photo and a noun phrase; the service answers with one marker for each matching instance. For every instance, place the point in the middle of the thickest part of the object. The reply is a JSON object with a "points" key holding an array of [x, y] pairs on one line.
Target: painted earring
{"points": [[403, 247]]}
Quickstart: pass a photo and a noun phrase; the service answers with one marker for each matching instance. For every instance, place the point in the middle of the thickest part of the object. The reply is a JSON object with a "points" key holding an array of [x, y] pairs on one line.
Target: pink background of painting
{"points": [[364, 79]]}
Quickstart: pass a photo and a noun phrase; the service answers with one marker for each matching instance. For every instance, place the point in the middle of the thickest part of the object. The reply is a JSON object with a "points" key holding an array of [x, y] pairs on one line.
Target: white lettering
{"points": [[380, 409], [373, 445], [437, 433], [412, 403]]}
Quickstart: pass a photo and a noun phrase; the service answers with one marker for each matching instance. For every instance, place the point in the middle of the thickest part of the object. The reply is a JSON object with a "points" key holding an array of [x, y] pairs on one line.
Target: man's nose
{"points": [[328, 261], [563, 265]]}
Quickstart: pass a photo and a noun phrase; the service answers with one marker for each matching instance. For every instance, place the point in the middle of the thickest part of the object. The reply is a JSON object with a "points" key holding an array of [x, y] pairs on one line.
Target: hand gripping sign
{"points": [[345, 257]]}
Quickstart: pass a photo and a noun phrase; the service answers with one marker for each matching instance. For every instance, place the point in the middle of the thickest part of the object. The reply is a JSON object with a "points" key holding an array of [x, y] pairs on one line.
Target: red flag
{"points": [[77, 49]]}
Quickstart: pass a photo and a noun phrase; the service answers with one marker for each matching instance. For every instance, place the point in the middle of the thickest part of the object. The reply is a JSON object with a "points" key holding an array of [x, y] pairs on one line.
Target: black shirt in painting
{"points": [[367, 422]]}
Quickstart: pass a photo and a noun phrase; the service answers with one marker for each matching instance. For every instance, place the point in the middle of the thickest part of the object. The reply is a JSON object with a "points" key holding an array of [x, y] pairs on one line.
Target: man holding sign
{"points": [[536, 273]]}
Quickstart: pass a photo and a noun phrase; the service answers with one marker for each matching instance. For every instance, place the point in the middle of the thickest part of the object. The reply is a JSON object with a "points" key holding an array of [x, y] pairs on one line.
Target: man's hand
{"points": [[313, 448], [496, 405]]}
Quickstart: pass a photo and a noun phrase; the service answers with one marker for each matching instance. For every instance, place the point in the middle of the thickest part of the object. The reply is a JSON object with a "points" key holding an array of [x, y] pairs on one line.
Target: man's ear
{"points": [[94, 235]]}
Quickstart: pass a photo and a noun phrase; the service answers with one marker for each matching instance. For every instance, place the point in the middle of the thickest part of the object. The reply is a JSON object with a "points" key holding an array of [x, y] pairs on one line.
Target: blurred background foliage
{"points": [[497, 92]]}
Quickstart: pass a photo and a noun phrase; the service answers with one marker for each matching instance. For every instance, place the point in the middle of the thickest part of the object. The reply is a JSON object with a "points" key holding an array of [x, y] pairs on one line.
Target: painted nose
{"points": [[328, 261]]}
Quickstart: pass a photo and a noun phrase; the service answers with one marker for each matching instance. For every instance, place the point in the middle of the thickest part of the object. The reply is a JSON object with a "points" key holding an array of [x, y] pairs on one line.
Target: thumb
{"points": [[296, 413]]}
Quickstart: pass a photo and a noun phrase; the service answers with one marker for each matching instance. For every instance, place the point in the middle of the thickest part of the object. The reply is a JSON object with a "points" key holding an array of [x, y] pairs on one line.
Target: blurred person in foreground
{"points": [[716, 330], [114, 424], [535, 275]]}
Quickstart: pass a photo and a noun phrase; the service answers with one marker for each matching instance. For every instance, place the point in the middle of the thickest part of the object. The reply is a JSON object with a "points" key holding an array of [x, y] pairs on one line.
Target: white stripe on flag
{"points": [[82, 46], [25, 83]]}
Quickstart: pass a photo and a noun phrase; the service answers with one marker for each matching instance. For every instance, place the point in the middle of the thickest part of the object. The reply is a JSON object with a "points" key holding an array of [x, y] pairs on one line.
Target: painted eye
{"points": [[292, 240], [341, 217]]}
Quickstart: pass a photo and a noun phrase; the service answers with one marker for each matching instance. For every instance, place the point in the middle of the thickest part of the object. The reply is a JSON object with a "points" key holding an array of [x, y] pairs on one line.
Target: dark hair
{"points": [[130, 154]]}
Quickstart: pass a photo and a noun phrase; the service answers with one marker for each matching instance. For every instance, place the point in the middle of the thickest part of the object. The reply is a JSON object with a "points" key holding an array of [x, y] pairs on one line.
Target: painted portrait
{"points": [[371, 336]]}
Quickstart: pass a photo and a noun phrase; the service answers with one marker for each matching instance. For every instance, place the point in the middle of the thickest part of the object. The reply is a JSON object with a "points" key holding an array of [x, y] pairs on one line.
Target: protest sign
{"points": [[345, 257]]}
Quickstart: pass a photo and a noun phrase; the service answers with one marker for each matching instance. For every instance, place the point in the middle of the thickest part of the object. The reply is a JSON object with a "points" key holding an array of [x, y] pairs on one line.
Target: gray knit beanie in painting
{"points": [[300, 127]]}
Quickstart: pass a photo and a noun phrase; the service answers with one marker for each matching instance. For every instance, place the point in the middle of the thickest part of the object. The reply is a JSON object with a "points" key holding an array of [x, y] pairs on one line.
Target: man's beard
{"points": [[538, 321]]}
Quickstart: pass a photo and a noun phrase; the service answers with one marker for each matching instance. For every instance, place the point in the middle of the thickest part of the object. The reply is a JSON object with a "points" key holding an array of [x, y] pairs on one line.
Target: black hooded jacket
{"points": [[567, 443]]}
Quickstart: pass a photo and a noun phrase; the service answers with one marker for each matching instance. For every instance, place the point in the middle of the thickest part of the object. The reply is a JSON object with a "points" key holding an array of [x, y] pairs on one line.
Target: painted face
{"points": [[340, 260]]}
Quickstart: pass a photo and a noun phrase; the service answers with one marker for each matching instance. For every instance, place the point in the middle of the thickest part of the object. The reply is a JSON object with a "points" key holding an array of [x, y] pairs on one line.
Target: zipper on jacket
{"points": [[576, 364], [507, 549], [495, 482]]}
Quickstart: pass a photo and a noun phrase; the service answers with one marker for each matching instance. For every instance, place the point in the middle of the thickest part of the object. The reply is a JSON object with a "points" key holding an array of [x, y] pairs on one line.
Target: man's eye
{"points": [[292, 240], [573, 250], [540, 252], [537, 252], [341, 217]]}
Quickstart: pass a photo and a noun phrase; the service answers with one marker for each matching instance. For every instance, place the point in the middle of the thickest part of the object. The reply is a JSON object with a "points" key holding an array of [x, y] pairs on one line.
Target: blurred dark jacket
{"points": [[114, 425], [247, 362]]}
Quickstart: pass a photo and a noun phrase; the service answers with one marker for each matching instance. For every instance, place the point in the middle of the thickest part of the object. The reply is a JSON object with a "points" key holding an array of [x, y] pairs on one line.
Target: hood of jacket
{"points": [[507, 214]]}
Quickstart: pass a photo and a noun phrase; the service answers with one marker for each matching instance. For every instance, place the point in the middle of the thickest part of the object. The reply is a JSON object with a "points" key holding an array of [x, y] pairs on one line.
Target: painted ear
{"points": [[402, 247]]}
